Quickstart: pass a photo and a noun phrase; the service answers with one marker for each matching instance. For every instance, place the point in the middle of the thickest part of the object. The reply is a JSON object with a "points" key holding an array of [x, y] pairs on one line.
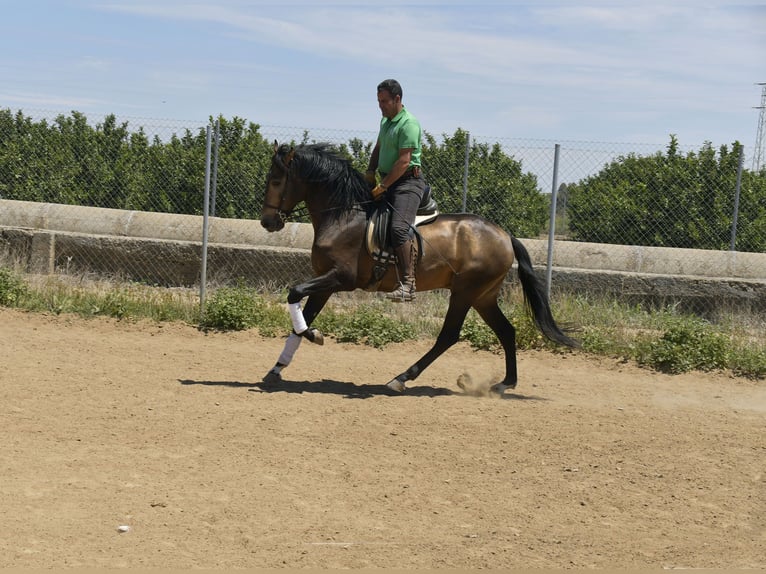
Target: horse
{"points": [[464, 253]]}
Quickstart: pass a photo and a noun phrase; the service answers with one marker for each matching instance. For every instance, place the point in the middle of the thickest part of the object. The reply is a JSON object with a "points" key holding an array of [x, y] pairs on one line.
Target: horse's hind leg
{"points": [[494, 317], [314, 305], [448, 336]]}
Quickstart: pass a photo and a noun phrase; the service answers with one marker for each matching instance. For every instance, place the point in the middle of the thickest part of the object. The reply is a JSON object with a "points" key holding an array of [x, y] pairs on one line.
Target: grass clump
{"points": [[241, 308], [60, 294], [686, 346], [12, 288], [478, 334], [749, 362], [368, 324]]}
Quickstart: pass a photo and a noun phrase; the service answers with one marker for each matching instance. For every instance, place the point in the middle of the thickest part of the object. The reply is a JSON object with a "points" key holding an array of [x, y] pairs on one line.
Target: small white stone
{"points": [[123, 528]]}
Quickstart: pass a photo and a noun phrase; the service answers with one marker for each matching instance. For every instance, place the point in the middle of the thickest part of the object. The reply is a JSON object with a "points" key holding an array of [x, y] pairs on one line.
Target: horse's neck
{"points": [[325, 223]]}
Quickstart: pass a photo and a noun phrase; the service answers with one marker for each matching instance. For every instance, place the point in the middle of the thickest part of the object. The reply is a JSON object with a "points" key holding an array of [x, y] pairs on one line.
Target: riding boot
{"points": [[405, 265]]}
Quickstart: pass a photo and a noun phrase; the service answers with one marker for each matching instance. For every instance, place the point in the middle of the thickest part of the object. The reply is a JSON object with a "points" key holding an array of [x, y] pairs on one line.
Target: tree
{"points": [[497, 187], [244, 159], [667, 200]]}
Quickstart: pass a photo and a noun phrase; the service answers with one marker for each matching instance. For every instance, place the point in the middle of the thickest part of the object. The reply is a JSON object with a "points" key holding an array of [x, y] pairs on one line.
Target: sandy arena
{"points": [[168, 433]]}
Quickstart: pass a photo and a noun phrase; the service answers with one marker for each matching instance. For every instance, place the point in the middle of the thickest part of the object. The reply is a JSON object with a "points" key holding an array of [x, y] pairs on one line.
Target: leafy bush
{"points": [[750, 363], [12, 288], [369, 325], [597, 341], [478, 334], [240, 308], [685, 347], [481, 337]]}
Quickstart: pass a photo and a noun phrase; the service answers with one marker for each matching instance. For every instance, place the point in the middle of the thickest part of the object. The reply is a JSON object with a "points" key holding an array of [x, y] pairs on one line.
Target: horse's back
{"points": [[466, 242]]}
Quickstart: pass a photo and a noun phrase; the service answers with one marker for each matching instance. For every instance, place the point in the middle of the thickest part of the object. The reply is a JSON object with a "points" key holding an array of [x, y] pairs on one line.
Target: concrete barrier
{"points": [[42, 236]]}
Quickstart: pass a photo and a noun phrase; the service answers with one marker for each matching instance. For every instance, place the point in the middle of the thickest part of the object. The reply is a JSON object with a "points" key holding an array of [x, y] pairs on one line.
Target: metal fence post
{"points": [[214, 184], [205, 217], [552, 225], [737, 189], [465, 169]]}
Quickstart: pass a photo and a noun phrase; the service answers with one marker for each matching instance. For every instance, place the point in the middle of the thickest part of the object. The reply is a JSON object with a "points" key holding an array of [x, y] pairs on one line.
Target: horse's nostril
{"points": [[272, 224]]}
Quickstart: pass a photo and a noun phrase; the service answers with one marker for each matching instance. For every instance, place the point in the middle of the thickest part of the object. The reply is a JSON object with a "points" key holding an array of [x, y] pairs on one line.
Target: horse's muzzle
{"points": [[272, 223]]}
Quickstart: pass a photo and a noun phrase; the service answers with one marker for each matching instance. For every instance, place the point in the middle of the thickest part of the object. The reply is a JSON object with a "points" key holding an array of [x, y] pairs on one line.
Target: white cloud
{"points": [[506, 66], [55, 101]]}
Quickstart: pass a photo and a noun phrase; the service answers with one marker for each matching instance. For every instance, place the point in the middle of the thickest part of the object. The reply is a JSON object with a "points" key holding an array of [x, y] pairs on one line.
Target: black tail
{"points": [[536, 299]]}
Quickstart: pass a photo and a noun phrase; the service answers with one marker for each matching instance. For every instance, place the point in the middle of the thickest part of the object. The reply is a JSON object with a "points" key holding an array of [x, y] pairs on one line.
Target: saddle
{"points": [[378, 231]]}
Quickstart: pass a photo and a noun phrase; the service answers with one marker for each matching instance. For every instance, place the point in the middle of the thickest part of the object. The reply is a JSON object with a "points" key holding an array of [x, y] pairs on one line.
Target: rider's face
{"points": [[388, 104]]}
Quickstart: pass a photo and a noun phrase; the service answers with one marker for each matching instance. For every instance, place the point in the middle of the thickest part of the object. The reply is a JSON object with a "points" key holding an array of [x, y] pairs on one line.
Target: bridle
{"points": [[283, 165]]}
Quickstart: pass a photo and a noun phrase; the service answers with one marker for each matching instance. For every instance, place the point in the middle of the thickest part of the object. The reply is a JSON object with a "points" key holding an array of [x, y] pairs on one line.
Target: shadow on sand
{"points": [[346, 389]]}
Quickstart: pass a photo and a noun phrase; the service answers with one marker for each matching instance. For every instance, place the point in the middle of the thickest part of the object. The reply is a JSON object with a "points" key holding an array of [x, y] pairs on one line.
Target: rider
{"points": [[397, 158]]}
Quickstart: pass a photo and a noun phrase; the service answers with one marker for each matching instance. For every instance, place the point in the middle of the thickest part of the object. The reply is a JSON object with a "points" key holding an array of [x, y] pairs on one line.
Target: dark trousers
{"points": [[404, 196]]}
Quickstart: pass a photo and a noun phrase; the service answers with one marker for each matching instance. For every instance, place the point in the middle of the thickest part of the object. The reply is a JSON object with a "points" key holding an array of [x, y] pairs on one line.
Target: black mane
{"points": [[321, 164]]}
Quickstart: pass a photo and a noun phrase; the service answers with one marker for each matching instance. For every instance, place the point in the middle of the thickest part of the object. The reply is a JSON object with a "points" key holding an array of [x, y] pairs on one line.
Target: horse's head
{"points": [[312, 173], [281, 195]]}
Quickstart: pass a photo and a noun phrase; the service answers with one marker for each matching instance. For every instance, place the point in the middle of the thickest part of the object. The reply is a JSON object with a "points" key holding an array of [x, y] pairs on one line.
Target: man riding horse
{"points": [[396, 157]]}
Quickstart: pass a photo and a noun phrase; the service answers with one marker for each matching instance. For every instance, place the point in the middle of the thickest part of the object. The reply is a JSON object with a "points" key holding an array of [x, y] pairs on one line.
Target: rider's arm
{"points": [[374, 157], [399, 167], [373, 165]]}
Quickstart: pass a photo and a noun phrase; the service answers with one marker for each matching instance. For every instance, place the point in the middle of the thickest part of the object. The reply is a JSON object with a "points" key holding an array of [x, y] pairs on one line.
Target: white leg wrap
{"points": [[291, 345], [296, 315]]}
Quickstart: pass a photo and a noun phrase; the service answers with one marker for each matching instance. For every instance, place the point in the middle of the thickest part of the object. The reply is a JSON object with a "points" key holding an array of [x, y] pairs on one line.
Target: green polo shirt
{"points": [[401, 132]]}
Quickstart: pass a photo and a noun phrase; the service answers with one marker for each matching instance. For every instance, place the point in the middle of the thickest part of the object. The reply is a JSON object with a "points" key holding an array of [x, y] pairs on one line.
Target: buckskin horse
{"points": [[464, 253]]}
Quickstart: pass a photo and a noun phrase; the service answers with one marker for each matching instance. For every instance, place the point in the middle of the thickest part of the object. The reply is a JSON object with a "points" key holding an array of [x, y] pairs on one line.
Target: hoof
{"points": [[396, 385], [498, 390], [314, 335], [272, 378]]}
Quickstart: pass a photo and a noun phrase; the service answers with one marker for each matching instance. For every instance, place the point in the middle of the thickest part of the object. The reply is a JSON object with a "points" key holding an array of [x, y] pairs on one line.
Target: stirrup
{"points": [[401, 294]]}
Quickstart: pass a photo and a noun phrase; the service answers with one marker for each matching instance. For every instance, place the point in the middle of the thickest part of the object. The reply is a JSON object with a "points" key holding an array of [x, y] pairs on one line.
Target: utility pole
{"points": [[758, 156]]}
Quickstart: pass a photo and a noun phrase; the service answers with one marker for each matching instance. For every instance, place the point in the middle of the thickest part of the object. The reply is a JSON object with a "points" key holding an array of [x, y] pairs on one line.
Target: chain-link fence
{"points": [[668, 195]]}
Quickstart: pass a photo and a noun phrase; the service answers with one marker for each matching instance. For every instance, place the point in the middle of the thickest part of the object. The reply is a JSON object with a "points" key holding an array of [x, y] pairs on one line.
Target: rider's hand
{"points": [[369, 176], [378, 191]]}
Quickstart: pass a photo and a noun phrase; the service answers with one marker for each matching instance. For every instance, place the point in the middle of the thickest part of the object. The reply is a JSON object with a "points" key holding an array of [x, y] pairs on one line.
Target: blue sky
{"points": [[553, 70]]}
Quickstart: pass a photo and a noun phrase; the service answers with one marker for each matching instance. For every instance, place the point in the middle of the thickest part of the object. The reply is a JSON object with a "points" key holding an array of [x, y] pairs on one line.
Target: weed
{"points": [[688, 345], [231, 309], [478, 334], [12, 288], [367, 324]]}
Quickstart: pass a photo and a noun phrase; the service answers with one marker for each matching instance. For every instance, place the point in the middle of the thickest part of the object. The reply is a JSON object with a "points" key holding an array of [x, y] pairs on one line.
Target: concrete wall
{"points": [[41, 236]]}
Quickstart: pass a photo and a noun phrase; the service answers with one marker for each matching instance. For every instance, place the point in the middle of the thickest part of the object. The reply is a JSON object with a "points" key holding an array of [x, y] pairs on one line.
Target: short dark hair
{"points": [[391, 86]]}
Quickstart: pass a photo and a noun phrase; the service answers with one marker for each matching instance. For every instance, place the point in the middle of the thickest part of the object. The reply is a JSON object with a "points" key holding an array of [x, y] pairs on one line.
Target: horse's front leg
{"points": [[319, 289], [314, 305]]}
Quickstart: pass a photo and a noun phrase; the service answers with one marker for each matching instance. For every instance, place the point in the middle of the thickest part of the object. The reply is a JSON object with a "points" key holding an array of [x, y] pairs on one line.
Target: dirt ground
{"points": [[167, 434]]}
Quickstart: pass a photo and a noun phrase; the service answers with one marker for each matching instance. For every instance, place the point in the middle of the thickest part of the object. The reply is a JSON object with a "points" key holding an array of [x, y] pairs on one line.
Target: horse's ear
{"points": [[290, 156], [276, 147]]}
